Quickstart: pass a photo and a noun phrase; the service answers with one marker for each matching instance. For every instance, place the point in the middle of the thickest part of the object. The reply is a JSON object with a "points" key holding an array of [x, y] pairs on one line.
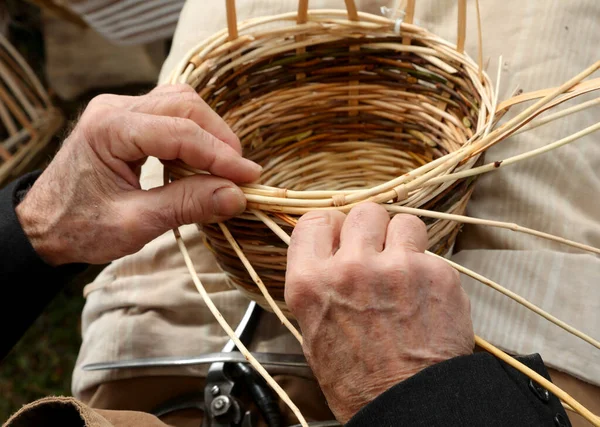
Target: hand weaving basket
{"points": [[342, 107], [27, 118]]}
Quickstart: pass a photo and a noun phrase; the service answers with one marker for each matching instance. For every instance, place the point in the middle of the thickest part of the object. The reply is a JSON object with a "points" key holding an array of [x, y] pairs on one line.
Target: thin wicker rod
{"points": [[351, 8], [520, 300], [259, 282], [495, 101], [230, 332], [462, 26], [231, 19], [584, 87], [515, 129], [273, 226], [353, 93], [515, 159], [553, 388], [479, 41], [559, 115], [302, 11], [302, 19], [409, 17], [491, 223], [499, 133]]}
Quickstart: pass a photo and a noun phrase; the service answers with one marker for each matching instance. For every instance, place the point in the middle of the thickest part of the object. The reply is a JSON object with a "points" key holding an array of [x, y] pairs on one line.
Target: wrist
{"points": [[39, 231]]}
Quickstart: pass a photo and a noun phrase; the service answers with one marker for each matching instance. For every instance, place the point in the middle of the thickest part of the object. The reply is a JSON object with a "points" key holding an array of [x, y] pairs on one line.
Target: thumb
{"points": [[193, 199]]}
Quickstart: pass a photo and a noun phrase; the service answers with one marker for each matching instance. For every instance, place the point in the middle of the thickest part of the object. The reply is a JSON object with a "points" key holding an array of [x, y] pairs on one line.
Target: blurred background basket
{"points": [[336, 106], [28, 120]]}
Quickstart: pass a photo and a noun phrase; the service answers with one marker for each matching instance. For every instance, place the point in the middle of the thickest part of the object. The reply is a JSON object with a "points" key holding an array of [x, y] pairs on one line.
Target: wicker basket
{"points": [[335, 105], [27, 118]]}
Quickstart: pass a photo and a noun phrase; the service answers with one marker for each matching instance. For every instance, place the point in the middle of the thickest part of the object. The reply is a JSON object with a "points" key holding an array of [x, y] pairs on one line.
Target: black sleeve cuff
{"points": [[475, 390], [28, 284]]}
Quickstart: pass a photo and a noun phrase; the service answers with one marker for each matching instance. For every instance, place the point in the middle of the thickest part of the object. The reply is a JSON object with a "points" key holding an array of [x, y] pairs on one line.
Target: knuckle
{"points": [[99, 100], [314, 218], [365, 212], [97, 120], [411, 222], [444, 277], [301, 290], [352, 268], [398, 266], [184, 89]]}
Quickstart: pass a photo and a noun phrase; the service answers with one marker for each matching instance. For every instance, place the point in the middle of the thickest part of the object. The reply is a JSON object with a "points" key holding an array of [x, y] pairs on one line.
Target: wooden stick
{"points": [[352, 12], [302, 12], [273, 226], [586, 86], [230, 332], [479, 42], [353, 93], [515, 159], [559, 115], [552, 388], [491, 223], [517, 298], [462, 26], [259, 282], [409, 17], [231, 19]]}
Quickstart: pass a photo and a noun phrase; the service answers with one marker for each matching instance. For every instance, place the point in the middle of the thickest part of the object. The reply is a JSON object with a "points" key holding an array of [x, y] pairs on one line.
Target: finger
{"points": [[315, 237], [365, 227], [168, 138], [406, 232], [194, 199], [183, 101]]}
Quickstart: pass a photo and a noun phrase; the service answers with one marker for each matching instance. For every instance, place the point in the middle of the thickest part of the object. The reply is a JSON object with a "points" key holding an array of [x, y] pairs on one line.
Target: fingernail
{"points": [[255, 166], [228, 201]]}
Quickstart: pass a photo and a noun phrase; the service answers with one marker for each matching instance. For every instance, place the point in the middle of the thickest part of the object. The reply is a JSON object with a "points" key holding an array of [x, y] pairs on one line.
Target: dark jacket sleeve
{"points": [[27, 283], [476, 390]]}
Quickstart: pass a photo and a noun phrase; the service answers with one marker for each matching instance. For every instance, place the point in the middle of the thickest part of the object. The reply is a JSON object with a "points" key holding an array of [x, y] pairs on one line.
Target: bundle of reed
{"points": [[342, 107], [28, 120]]}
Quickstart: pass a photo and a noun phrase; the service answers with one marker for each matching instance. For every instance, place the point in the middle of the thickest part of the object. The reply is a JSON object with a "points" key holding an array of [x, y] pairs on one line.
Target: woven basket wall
{"points": [[27, 118], [339, 103]]}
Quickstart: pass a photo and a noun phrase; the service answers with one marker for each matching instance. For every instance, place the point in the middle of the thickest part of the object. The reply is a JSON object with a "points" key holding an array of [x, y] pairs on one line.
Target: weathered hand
{"points": [[373, 307], [88, 207]]}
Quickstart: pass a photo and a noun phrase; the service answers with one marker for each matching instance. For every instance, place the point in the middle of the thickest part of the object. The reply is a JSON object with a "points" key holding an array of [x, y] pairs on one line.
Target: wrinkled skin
{"points": [[88, 207], [373, 307]]}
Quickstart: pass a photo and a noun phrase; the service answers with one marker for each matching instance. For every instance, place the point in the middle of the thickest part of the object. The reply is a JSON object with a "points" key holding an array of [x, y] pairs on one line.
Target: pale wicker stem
{"points": [[498, 224], [521, 300], [231, 333], [551, 387], [559, 115], [259, 283], [515, 159]]}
